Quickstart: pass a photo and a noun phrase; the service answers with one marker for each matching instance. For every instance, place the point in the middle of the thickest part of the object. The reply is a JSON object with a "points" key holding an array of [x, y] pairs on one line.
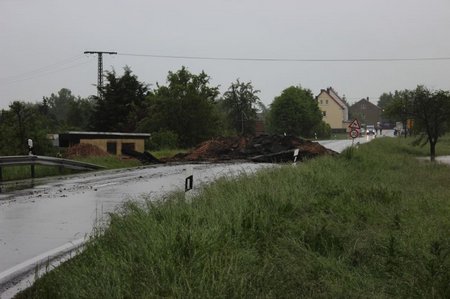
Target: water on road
{"points": [[37, 220]]}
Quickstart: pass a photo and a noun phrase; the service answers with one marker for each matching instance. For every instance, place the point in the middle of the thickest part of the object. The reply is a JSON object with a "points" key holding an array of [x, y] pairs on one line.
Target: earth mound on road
{"points": [[84, 150], [263, 148]]}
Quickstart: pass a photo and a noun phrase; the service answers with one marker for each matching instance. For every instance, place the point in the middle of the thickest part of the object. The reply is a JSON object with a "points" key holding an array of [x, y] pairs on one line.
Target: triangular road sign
{"points": [[355, 124]]}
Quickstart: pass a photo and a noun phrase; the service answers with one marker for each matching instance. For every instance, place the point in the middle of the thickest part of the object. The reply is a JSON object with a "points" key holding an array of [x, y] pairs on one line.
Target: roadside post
{"points": [[295, 156], [188, 182], [30, 147], [355, 128], [30, 153]]}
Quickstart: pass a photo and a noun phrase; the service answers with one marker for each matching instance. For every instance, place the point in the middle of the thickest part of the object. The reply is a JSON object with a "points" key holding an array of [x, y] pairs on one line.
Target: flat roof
{"points": [[112, 134]]}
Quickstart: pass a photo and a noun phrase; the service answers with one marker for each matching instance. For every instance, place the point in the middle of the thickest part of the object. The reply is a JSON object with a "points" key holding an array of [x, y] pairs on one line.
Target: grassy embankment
{"points": [[24, 172], [109, 162], [373, 223]]}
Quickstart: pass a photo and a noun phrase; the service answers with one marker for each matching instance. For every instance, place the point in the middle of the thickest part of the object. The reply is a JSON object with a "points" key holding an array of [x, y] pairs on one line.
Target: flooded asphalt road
{"points": [[37, 220]]}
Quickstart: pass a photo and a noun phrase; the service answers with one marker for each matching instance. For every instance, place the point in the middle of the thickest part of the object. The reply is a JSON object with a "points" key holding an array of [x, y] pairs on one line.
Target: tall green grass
{"points": [[372, 223]]}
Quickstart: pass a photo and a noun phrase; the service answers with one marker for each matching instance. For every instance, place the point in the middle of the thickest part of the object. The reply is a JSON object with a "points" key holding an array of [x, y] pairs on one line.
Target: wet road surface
{"points": [[37, 220]]}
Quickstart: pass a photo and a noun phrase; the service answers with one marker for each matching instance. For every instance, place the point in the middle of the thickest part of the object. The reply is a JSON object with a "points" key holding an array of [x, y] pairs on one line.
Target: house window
{"points": [[321, 102], [324, 113], [326, 102], [111, 147]]}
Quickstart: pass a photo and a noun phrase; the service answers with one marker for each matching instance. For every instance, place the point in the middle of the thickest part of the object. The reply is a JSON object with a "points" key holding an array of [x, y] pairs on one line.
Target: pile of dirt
{"points": [[222, 148], [84, 150], [144, 158], [264, 148], [279, 148]]}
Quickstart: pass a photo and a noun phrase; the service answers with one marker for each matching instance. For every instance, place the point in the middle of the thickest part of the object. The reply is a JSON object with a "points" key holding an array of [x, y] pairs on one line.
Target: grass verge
{"points": [[373, 223], [111, 162], [10, 173], [168, 153]]}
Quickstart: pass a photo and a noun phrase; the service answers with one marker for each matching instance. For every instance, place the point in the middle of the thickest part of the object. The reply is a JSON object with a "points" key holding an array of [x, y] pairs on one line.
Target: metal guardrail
{"points": [[44, 160]]}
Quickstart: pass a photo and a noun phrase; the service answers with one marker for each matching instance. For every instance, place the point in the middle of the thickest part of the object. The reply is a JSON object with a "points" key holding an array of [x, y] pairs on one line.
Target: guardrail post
{"points": [[33, 159], [32, 171]]}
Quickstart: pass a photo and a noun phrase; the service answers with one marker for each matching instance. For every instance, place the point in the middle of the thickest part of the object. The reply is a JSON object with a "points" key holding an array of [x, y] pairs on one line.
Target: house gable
{"points": [[366, 112], [334, 109]]}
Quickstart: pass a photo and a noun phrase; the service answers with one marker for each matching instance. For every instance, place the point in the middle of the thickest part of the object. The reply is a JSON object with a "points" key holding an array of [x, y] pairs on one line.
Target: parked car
{"points": [[362, 131], [370, 130]]}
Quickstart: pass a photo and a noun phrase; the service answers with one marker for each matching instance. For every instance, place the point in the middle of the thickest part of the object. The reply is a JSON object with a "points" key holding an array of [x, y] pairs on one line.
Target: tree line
{"points": [[428, 113], [186, 110]]}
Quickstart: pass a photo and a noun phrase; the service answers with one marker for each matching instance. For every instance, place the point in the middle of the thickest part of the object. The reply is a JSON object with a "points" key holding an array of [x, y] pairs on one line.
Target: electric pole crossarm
{"points": [[102, 52], [100, 67]]}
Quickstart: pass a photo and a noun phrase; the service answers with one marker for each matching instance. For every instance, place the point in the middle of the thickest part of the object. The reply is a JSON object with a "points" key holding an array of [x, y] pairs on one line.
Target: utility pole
{"points": [[100, 67]]}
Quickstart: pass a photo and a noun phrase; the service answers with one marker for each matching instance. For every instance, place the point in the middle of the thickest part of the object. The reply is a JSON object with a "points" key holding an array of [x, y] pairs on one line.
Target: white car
{"points": [[370, 130]]}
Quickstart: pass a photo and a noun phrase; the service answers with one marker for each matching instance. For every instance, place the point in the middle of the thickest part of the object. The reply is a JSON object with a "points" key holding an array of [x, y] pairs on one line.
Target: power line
{"points": [[46, 73], [286, 59], [43, 69]]}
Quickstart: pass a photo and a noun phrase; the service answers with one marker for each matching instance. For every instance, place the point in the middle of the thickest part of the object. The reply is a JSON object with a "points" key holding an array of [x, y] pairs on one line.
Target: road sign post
{"points": [[295, 156], [189, 181], [354, 133], [355, 125], [355, 128]]}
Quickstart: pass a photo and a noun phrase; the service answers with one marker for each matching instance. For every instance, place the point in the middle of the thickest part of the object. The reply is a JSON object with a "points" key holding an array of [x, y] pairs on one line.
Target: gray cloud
{"points": [[44, 35]]}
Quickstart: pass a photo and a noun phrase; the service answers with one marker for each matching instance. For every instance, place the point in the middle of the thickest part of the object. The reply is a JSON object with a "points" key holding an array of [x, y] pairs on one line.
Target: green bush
{"points": [[323, 130], [163, 140]]}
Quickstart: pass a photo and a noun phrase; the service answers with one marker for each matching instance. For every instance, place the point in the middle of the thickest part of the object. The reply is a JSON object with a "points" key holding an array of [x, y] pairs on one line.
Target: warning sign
{"points": [[355, 124]]}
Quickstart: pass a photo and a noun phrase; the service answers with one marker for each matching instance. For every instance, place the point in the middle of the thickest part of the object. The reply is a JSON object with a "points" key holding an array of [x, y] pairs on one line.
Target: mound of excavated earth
{"points": [[264, 148], [84, 150]]}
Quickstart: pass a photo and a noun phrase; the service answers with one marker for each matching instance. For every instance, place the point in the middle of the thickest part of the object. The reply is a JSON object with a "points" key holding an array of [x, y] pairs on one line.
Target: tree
{"points": [[295, 112], [241, 103], [66, 111], [80, 114], [21, 122], [400, 107], [121, 105], [185, 107], [59, 104], [385, 101], [431, 115], [429, 111]]}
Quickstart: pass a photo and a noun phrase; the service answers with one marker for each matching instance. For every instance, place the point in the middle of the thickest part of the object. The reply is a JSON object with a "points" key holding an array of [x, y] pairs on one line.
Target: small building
{"points": [[111, 142], [366, 112], [334, 109]]}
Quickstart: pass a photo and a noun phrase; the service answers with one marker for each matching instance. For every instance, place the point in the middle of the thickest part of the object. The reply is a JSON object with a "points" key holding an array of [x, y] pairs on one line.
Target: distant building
{"points": [[366, 112], [334, 109], [110, 142]]}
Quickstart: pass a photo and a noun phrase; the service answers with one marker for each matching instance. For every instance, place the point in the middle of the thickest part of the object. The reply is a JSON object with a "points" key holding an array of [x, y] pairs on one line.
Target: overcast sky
{"points": [[42, 44]]}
